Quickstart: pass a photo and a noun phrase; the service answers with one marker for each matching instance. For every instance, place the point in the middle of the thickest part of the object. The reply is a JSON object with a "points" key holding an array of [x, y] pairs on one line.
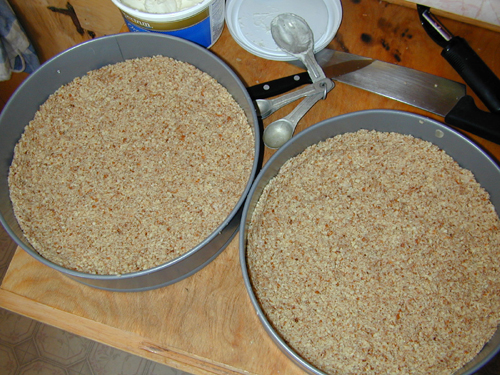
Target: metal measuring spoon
{"points": [[268, 106], [293, 35], [280, 131]]}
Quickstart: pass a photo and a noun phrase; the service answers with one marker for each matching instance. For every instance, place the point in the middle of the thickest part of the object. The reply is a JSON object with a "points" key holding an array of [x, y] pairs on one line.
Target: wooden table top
{"points": [[205, 324]]}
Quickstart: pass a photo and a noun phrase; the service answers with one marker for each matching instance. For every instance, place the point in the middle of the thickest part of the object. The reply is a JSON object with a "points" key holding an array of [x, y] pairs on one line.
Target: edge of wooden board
{"points": [[457, 17], [129, 342]]}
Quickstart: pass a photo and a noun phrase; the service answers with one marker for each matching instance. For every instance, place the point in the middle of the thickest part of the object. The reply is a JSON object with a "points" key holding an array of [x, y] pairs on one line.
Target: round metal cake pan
{"points": [[76, 62], [462, 149]]}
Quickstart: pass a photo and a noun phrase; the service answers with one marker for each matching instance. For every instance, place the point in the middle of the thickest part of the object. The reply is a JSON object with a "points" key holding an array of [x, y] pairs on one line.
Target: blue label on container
{"points": [[200, 33]]}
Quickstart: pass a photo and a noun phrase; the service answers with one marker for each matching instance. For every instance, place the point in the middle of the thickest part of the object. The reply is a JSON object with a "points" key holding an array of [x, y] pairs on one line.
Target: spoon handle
{"points": [[268, 106], [304, 107], [294, 117], [313, 68]]}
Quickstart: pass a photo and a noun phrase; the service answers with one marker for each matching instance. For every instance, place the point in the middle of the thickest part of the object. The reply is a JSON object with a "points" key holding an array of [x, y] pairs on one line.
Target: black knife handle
{"points": [[474, 71], [278, 86], [465, 115]]}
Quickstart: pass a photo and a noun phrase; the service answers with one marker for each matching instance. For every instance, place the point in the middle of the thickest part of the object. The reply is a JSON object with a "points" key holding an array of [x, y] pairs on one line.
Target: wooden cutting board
{"points": [[484, 13]]}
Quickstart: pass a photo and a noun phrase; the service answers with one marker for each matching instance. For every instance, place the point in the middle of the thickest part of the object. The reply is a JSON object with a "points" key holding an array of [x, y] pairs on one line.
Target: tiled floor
{"points": [[28, 347]]}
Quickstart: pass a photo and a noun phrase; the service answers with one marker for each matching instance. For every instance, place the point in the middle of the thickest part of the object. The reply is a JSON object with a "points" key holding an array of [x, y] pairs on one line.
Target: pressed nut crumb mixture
{"points": [[130, 166], [376, 253]]}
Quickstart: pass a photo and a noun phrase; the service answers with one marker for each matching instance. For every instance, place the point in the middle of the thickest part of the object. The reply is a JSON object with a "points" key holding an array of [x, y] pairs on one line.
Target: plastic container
{"points": [[201, 24], [249, 23]]}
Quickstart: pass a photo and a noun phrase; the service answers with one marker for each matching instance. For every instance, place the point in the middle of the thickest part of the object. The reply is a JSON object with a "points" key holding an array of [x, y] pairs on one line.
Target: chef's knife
{"points": [[434, 94], [463, 59]]}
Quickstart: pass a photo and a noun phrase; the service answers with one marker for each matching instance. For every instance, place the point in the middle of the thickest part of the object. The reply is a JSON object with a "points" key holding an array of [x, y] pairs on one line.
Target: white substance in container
{"points": [[201, 22], [160, 6], [249, 22]]}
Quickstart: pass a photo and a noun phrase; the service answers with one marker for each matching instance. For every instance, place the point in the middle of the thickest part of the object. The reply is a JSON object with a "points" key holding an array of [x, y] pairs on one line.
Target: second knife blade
{"points": [[419, 89]]}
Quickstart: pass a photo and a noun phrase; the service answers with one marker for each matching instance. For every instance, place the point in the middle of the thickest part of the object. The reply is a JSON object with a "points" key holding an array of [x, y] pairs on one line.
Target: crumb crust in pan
{"points": [[130, 166], [377, 253]]}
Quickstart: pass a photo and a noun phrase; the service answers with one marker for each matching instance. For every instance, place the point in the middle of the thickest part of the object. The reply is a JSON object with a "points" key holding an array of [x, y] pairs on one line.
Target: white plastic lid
{"points": [[249, 22]]}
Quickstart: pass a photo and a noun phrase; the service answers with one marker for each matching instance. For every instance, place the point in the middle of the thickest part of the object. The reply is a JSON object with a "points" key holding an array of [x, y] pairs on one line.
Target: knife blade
{"points": [[426, 91]]}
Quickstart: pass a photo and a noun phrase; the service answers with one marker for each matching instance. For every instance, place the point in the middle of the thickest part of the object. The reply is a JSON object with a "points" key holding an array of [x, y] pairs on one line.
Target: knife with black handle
{"points": [[278, 86], [432, 93]]}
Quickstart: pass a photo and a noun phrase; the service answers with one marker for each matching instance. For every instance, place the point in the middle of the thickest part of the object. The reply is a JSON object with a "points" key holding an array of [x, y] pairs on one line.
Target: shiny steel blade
{"points": [[419, 89]]}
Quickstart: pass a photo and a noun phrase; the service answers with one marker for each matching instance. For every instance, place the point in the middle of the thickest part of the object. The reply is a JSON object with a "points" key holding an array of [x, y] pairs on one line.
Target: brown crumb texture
{"points": [[377, 253], [130, 166]]}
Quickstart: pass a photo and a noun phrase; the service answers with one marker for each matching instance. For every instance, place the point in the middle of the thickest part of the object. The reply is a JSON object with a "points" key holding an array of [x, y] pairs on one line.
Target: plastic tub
{"points": [[201, 24]]}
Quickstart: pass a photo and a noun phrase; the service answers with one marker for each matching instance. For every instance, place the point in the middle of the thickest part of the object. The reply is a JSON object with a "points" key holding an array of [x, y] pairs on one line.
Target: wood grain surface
{"points": [[56, 25], [205, 324], [462, 11]]}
